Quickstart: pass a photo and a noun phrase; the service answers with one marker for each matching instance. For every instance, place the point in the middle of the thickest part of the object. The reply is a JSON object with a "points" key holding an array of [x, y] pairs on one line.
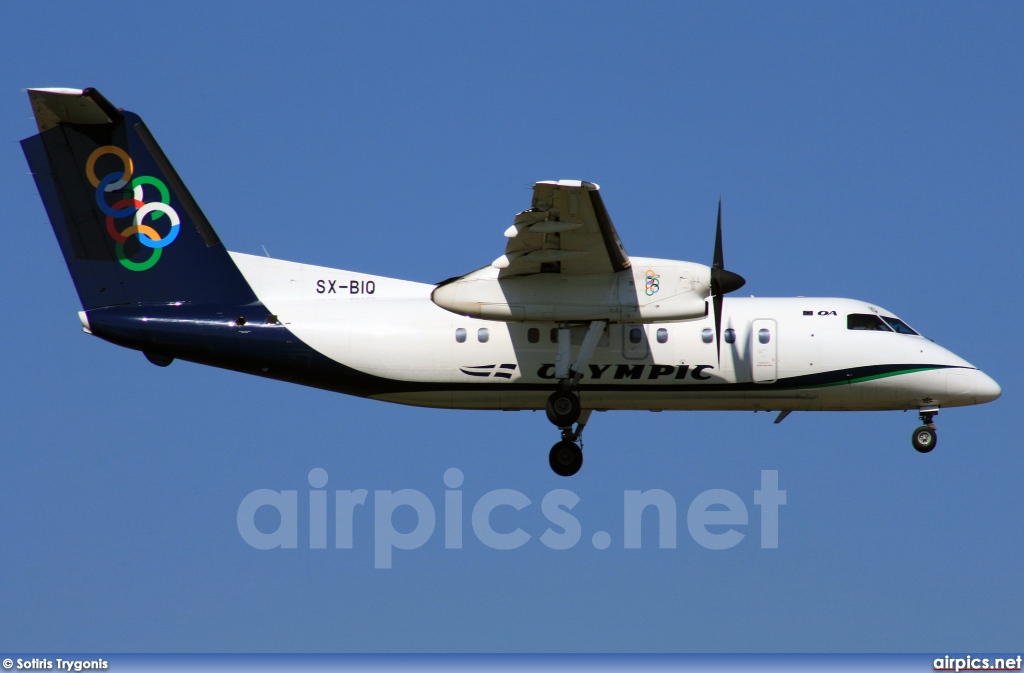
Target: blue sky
{"points": [[867, 150]]}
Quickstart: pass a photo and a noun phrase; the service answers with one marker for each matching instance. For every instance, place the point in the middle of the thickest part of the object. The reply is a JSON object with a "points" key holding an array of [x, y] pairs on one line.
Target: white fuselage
{"points": [[776, 353]]}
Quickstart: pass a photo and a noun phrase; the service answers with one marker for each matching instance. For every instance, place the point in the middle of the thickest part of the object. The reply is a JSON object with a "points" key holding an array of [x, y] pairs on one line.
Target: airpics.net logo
{"points": [[714, 518]]}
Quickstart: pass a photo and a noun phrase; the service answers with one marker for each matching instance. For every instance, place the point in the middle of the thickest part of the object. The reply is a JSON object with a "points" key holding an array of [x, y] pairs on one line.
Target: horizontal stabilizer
{"points": [[70, 106]]}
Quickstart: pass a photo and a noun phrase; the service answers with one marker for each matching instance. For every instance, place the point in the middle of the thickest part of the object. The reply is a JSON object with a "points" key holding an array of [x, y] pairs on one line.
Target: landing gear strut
{"points": [[563, 406], [924, 438]]}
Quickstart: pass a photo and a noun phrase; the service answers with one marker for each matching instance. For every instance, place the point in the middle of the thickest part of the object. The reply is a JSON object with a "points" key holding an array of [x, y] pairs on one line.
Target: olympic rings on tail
{"points": [[136, 207]]}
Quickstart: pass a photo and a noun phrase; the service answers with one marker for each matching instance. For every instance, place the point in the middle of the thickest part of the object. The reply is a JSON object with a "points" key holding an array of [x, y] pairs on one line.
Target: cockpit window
{"points": [[866, 321], [899, 326]]}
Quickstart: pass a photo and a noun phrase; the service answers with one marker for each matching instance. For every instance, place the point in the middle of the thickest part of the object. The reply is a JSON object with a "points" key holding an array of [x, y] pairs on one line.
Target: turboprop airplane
{"points": [[564, 320]]}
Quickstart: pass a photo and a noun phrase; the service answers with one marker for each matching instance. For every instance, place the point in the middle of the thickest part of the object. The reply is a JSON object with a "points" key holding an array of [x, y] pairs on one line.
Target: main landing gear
{"points": [[924, 438], [563, 406], [566, 457]]}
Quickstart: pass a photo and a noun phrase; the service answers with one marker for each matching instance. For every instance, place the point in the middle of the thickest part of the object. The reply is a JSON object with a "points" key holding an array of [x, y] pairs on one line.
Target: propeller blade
{"points": [[722, 283], [717, 303], [719, 262], [717, 266]]}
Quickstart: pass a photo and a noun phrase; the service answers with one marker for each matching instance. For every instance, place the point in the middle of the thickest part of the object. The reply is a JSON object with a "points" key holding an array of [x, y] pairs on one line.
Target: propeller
{"points": [[722, 283]]}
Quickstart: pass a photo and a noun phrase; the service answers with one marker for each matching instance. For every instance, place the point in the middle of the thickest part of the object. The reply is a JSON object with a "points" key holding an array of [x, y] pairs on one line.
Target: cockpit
{"points": [[877, 323]]}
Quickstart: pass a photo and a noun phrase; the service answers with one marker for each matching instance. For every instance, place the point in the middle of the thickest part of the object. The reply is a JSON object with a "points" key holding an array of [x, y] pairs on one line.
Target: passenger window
{"points": [[866, 322], [635, 335], [764, 335], [707, 335], [533, 335], [460, 335], [730, 336], [483, 334], [662, 335], [554, 335]]}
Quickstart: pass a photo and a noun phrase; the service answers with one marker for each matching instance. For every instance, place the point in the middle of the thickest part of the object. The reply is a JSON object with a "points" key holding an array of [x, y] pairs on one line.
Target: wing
{"points": [[566, 230]]}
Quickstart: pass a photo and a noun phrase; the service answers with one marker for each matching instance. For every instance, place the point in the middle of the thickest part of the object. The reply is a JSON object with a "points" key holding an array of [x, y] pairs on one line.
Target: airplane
{"points": [[564, 320]]}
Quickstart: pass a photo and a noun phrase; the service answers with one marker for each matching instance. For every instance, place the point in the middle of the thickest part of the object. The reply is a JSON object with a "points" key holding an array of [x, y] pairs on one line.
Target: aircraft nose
{"points": [[985, 388]]}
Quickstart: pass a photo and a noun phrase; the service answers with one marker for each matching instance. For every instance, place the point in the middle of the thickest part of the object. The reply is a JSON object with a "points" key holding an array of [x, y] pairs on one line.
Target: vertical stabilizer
{"points": [[130, 231]]}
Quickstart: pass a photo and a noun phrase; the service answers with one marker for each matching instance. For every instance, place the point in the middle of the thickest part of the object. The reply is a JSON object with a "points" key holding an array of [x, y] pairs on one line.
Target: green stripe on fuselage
{"points": [[873, 377]]}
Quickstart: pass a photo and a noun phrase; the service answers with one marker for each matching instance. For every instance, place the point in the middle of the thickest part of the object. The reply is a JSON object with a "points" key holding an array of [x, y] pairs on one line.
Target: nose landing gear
{"points": [[924, 438]]}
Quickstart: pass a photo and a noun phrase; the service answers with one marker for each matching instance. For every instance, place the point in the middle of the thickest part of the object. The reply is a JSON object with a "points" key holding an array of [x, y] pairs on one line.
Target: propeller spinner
{"points": [[722, 283]]}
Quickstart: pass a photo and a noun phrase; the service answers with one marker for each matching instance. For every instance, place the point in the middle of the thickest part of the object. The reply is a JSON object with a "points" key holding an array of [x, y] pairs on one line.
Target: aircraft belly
{"points": [[532, 398]]}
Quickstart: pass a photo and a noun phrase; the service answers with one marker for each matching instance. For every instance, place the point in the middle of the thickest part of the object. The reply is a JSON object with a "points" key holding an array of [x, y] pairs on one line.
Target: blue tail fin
{"points": [[129, 229]]}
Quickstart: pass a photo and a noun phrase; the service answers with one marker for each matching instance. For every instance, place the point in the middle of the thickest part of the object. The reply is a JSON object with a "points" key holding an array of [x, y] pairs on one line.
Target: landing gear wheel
{"points": [[566, 458], [924, 439], [563, 408]]}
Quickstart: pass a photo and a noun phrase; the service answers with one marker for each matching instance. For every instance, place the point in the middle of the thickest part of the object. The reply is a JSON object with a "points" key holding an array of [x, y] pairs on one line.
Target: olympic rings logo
{"points": [[651, 283], [136, 207]]}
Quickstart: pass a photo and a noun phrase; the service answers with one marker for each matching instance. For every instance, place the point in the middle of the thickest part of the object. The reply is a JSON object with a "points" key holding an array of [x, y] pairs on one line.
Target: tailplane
{"points": [[130, 231]]}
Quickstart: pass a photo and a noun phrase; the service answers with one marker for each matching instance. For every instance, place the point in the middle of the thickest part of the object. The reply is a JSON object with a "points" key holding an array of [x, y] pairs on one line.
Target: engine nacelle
{"points": [[652, 290]]}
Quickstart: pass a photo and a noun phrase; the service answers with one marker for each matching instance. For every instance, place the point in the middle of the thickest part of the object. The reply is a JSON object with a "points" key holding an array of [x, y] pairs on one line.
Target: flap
{"points": [[567, 230]]}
